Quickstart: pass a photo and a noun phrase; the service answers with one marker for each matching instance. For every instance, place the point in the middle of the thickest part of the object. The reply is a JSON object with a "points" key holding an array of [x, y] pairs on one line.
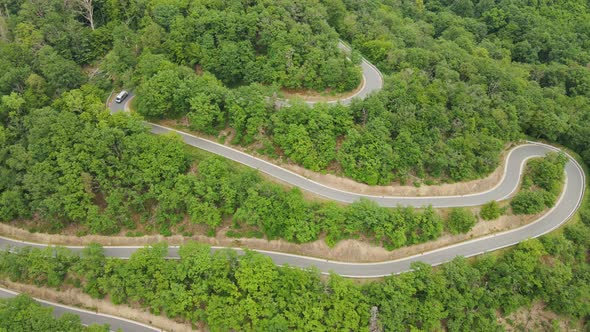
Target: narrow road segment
{"points": [[88, 317]]}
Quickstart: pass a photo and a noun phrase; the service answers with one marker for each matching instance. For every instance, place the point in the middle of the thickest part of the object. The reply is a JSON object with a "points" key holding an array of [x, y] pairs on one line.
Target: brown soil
{"points": [[321, 96], [537, 318], [76, 298], [346, 250], [228, 135]]}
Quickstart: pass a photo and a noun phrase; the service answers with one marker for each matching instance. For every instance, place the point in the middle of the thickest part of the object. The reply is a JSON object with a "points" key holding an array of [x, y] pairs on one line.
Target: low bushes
{"points": [[541, 184], [491, 211], [460, 220]]}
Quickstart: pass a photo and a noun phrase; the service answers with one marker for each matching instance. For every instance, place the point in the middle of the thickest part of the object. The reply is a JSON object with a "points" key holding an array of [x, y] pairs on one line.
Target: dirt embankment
{"points": [[76, 298], [322, 96], [537, 317], [346, 250]]}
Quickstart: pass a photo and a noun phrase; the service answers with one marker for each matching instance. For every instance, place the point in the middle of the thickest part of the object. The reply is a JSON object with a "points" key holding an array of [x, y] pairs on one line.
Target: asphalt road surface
{"points": [[566, 206], [88, 317], [372, 81], [120, 107], [508, 185]]}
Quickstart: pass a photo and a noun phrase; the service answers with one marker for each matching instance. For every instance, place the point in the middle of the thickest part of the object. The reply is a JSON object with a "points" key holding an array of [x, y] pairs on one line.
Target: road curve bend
{"points": [[372, 79], [508, 185], [88, 317], [567, 204]]}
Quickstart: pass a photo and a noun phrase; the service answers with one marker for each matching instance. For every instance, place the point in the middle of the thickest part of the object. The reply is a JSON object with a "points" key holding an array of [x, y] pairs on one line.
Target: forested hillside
{"points": [[74, 164], [286, 43], [455, 94], [224, 291], [448, 108], [463, 79]]}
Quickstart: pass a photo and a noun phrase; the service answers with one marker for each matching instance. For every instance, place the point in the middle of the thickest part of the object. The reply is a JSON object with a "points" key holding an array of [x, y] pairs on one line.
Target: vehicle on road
{"points": [[121, 96]]}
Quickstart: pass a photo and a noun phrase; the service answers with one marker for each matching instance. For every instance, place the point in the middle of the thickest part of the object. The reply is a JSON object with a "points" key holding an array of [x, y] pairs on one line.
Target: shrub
{"points": [[491, 211], [460, 221], [529, 202], [547, 173], [585, 213]]}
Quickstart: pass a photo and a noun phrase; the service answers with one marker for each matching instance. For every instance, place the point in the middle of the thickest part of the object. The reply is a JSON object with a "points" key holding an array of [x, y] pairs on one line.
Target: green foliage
{"points": [[584, 211], [248, 112], [260, 41], [529, 202], [547, 173], [72, 163], [169, 90], [22, 314], [158, 94], [453, 97], [462, 79], [365, 156], [541, 186], [386, 140], [491, 211], [307, 136], [460, 220], [62, 74], [79, 156], [453, 90], [43, 267], [202, 286]]}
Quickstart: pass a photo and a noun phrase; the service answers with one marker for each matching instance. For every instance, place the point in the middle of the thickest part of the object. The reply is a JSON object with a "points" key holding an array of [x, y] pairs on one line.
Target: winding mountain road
{"points": [[372, 80], [565, 207], [568, 202]]}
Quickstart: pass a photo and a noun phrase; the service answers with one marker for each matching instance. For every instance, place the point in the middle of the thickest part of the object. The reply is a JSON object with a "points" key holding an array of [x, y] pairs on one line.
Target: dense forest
{"points": [[463, 78], [64, 160], [249, 293], [541, 185], [74, 164], [23, 314]]}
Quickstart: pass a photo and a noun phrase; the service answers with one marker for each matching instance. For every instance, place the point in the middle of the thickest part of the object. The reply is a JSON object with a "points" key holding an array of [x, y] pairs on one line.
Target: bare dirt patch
{"points": [[346, 250], [537, 318], [321, 96], [76, 298], [227, 135]]}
